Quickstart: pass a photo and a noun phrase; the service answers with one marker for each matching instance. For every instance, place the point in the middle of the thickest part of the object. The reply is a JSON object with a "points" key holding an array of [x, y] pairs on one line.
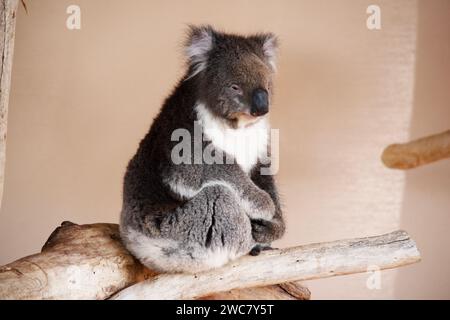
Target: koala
{"points": [[193, 216]]}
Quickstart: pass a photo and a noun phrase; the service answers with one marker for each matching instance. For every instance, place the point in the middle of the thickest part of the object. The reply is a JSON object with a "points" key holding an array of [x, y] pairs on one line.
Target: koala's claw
{"points": [[256, 250]]}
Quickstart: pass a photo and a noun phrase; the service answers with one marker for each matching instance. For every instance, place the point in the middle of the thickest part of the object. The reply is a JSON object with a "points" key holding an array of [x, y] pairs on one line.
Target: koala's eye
{"points": [[236, 88]]}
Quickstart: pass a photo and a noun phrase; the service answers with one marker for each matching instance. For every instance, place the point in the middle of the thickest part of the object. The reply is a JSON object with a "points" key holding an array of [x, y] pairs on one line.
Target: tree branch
{"points": [[418, 152], [307, 262], [90, 262], [8, 10], [76, 262]]}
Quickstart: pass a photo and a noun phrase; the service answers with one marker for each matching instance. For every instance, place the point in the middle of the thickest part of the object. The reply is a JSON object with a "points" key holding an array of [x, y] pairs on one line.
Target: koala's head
{"points": [[234, 73]]}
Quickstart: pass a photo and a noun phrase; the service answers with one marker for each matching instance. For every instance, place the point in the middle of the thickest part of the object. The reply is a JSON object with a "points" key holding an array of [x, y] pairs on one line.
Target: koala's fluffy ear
{"points": [[269, 44], [199, 42]]}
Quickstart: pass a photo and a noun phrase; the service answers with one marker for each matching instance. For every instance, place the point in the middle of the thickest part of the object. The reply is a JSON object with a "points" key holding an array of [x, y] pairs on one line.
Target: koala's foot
{"points": [[205, 232], [256, 250], [264, 231]]}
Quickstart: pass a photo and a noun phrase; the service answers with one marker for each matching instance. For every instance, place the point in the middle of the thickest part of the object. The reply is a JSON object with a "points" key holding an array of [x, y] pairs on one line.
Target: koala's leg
{"points": [[256, 202], [205, 232], [267, 230], [258, 198]]}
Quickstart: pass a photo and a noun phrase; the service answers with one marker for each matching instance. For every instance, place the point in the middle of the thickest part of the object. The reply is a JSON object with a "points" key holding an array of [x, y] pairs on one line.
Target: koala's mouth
{"points": [[244, 119]]}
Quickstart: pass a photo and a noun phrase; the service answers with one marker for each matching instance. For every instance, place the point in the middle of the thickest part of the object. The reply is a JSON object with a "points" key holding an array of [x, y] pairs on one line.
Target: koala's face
{"points": [[238, 86], [235, 74]]}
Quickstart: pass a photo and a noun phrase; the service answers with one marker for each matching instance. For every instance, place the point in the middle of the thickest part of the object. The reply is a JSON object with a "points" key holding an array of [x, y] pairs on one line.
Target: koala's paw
{"points": [[262, 231], [263, 207]]}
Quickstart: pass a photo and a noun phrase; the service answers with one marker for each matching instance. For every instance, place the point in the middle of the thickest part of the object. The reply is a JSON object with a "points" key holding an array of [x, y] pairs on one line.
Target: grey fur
{"points": [[231, 211]]}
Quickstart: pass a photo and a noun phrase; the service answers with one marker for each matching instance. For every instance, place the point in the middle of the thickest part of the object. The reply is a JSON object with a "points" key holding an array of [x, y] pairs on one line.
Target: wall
{"points": [[82, 100], [426, 205]]}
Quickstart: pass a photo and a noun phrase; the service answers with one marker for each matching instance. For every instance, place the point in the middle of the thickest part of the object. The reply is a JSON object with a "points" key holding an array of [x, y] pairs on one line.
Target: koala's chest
{"points": [[244, 145]]}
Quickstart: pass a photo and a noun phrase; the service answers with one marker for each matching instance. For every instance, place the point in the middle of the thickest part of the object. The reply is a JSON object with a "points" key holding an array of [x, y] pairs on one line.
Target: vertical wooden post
{"points": [[8, 9]]}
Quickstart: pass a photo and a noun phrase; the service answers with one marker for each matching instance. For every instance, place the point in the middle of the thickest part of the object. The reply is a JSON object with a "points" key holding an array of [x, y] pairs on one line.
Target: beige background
{"points": [[81, 101]]}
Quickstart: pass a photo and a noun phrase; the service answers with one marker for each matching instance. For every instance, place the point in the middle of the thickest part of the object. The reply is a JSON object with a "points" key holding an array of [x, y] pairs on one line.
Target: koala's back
{"points": [[143, 181]]}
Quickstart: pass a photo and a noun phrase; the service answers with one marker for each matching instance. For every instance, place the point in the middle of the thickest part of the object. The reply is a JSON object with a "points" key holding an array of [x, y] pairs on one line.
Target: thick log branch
{"points": [[418, 152], [292, 264], [76, 262], [90, 262]]}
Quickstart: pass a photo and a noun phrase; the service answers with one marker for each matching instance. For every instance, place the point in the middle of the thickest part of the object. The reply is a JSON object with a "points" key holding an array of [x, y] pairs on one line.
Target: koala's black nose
{"points": [[260, 102]]}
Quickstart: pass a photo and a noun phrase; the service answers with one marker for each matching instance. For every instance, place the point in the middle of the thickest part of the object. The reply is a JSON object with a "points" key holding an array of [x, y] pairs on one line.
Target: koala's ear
{"points": [[200, 41], [269, 43]]}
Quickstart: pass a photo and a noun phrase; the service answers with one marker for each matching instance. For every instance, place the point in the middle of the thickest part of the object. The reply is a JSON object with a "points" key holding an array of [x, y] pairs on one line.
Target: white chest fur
{"points": [[246, 144]]}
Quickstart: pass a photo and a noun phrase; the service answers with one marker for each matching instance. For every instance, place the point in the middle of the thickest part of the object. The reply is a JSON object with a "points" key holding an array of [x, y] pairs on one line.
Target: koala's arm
{"points": [[186, 180], [266, 231]]}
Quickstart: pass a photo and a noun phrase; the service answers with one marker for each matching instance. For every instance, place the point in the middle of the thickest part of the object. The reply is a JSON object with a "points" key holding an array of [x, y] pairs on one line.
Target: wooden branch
{"points": [[77, 262], [90, 262], [299, 263], [8, 10], [418, 152]]}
